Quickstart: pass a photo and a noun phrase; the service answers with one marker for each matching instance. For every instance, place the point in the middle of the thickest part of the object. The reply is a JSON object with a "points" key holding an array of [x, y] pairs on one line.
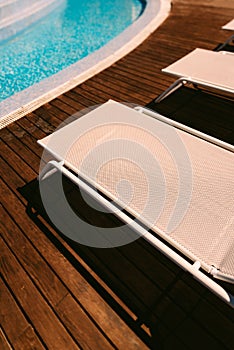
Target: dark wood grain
{"points": [[17, 327]]}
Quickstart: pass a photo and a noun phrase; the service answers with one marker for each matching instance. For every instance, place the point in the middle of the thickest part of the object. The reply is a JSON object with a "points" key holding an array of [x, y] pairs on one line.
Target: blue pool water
{"points": [[60, 39]]}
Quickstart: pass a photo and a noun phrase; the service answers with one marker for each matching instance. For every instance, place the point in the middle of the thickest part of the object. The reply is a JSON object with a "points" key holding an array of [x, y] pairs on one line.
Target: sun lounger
{"points": [[173, 165], [204, 68]]}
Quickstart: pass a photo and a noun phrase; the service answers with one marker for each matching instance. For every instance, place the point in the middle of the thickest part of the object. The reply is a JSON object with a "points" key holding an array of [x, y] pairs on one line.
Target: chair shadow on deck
{"points": [[201, 110], [158, 301]]}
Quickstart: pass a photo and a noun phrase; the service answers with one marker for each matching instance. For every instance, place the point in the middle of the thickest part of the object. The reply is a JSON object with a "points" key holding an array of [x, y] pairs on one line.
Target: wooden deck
{"points": [[58, 295]]}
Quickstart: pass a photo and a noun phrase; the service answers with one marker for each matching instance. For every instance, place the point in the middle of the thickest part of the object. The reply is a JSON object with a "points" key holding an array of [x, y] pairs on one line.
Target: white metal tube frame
{"points": [[187, 80], [185, 128], [194, 268]]}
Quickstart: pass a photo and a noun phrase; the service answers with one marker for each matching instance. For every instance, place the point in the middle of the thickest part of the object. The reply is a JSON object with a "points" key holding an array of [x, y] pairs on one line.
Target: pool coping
{"points": [[23, 102]]}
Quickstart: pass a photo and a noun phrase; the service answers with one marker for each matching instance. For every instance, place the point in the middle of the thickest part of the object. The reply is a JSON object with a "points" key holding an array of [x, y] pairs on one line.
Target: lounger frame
{"points": [[192, 267], [186, 71], [195, 82]]}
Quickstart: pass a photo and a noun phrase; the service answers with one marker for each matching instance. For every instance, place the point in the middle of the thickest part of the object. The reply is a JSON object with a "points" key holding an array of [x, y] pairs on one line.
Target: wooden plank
{"points": [[147, 86], [88, 335], [75, 319], [19, 331], [63, 106], [19, 153], [126, 87], [15, 161], [8, 172], [115, 92], [71, 102], [111, 324], [36, 125], [198, 338], [51, 113], [86, 99], [91, 93], [86, 295], [222, 326], [48, 326], [153, 269], [33, 134], [26, 341], [43, 277], [4, 343]]}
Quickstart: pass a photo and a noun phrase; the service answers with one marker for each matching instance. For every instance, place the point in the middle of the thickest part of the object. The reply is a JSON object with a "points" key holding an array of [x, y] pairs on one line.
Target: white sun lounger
{"points": [[203, 241], [205, 68]]}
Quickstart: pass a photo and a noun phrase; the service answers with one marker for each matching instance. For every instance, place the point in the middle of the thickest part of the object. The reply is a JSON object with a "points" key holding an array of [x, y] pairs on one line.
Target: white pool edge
{"points": [[26, 101]]}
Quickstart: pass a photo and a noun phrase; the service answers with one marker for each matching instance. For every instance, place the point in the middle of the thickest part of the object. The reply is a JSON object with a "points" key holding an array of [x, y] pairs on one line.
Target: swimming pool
{"points": [[71, 32], [86, 39]]}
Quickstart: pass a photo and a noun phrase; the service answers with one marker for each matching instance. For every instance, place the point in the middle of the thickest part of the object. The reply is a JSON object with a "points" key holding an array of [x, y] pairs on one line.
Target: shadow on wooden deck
{"points": [[156, 299], [200, 110]]}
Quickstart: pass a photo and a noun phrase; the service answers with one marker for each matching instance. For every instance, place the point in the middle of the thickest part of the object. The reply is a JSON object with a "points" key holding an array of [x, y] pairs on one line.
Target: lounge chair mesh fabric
{"points": [[206, 230]]}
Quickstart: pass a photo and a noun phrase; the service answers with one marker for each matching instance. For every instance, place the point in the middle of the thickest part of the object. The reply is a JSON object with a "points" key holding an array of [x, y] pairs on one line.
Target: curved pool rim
{"points": [[26, 101]]}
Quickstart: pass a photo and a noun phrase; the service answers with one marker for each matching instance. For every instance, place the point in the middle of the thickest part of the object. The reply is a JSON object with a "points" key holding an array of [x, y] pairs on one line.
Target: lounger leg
{"points": [[175, 86]]}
